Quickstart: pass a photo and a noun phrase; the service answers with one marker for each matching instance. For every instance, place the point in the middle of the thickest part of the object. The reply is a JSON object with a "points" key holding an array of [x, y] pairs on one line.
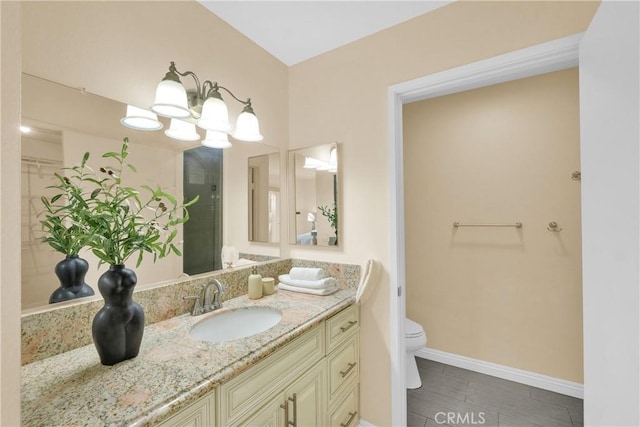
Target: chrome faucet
{"points": [[210, 299], [212, 302]]}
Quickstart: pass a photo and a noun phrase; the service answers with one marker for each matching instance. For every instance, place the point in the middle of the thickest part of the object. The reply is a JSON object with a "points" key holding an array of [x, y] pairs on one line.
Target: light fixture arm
{"points": [[207, 88], [246, 103]]}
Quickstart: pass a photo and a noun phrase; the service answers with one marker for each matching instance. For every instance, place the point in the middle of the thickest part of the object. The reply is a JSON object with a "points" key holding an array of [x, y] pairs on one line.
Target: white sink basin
{"points": [[235, 324]]}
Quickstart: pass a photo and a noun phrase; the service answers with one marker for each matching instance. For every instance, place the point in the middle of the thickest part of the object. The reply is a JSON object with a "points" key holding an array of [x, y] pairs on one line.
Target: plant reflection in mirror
{"points": [[113, 220], [332, 215]]}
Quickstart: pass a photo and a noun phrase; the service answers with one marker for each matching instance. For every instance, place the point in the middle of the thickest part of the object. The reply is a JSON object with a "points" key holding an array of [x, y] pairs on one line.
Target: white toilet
{"points": [[415, 339]]}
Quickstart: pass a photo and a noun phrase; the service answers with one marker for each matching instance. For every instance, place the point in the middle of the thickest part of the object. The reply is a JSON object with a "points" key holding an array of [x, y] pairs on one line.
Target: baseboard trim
{"points": [[545, 382], [363, 423]]}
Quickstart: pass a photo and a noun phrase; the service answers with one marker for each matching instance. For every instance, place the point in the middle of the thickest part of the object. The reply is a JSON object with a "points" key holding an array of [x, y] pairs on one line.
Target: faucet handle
{"points": [[197, 305]]}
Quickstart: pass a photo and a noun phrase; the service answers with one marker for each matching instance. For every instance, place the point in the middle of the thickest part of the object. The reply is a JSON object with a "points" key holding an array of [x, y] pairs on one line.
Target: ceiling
{"points": [[294, 31]]}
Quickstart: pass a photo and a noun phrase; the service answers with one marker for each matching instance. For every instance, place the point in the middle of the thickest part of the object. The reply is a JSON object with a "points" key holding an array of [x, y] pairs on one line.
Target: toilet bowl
{"points": [[415, 339]]}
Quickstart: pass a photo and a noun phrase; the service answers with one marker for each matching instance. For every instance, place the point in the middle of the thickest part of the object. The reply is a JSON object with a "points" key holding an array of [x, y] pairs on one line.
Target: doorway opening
{"points": [[552, 56]]}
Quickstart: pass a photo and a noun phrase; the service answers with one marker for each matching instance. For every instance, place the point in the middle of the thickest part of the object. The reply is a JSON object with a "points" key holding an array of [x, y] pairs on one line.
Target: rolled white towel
{"points": [[321, 292], [309, 284], [370, 274], [304, 273], [229, 256]]}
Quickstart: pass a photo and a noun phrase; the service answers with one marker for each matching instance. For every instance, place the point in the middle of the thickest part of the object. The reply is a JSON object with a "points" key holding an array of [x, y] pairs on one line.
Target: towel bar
{"points": [[516, 225]]}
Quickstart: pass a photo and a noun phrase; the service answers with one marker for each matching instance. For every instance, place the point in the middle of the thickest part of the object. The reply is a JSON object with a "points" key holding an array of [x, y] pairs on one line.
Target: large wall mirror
{"points": [[313, 179], [65, 123], [264, 198]]}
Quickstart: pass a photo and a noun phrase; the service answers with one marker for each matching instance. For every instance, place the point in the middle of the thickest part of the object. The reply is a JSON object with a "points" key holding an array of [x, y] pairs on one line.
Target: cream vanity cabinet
{"points": [[201, 413], [312, 381], [343, 367]]}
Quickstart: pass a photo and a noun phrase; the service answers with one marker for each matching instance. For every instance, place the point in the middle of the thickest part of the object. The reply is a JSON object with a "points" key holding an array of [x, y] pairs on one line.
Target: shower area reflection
{"points": [[203, 231]]}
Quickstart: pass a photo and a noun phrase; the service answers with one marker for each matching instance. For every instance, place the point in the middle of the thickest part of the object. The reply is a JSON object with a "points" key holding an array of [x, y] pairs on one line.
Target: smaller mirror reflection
{"points": [[264, 198], [313, 174]]}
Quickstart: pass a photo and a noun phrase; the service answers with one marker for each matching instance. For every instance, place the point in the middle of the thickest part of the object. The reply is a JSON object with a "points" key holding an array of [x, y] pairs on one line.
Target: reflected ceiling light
{"points": [[184, 131], [320, 165], [140, 119], [25, 129], [216, 139], [203, 106], [311, 163], [333, 160]]}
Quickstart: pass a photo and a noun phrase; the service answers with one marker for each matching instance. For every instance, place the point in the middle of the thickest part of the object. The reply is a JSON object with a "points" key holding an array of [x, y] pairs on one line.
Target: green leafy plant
{"points": [[66, 213], [113, 220], [331, 214]]}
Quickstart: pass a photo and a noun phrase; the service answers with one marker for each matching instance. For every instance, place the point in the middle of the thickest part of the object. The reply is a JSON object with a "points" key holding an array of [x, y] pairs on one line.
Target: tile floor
{"points": [[452, 396]]}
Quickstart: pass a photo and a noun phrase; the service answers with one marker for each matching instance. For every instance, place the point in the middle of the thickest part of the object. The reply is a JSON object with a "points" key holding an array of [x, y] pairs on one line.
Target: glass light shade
{"points": [[333, 160], [215, 139], [184, 131], [324, 166], [215, 115], [247, 128], [311, 163], [333, 156], [171, 100], [140, 119]]}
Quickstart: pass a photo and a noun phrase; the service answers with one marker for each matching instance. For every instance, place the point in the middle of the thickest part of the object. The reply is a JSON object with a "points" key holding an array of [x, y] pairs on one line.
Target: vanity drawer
{"points": [[251, 389], [346, 413], [342, 325], [343, 365]]}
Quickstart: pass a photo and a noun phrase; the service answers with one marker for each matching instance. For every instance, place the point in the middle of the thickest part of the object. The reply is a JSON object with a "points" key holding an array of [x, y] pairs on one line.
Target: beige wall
{"points": [[498, 154], [9, 215], [342, 96]]}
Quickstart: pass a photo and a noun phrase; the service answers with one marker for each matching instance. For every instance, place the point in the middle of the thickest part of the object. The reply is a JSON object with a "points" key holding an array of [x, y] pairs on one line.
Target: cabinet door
{"points": [[201, 413], [270, 415], [306, 398], [245, 394]]}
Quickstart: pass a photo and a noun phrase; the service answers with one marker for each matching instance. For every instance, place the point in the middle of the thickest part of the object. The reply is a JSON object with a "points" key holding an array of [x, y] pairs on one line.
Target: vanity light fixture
{"points": [[216, 139], [205, 106], [202, 106], [181, 130], [331, 166], [141, 119]]}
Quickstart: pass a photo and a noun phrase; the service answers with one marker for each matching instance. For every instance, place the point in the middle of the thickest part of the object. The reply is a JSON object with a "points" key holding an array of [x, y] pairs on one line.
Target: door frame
{"points": [[543, 58]]}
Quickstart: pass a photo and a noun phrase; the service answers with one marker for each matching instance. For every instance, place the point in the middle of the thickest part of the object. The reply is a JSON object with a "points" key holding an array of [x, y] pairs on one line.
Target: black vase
{"points": [[119, 325], [71, 272]]}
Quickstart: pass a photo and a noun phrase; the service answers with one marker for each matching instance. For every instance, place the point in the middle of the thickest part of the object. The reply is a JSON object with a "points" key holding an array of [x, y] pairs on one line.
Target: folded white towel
{"points": [[309, 284], [303, 273], [324, 291]]}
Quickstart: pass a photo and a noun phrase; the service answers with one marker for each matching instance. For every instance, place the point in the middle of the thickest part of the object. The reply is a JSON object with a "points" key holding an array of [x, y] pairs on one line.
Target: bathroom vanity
{"points": [[302, 371]]}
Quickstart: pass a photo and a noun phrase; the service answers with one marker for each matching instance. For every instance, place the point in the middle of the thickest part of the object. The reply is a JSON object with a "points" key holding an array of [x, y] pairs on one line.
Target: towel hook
{"points": [[553, 226]]}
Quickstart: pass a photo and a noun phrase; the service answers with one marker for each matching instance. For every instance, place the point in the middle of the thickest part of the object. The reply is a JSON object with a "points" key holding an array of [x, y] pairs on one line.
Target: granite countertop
{"points": [[171, 371]]}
